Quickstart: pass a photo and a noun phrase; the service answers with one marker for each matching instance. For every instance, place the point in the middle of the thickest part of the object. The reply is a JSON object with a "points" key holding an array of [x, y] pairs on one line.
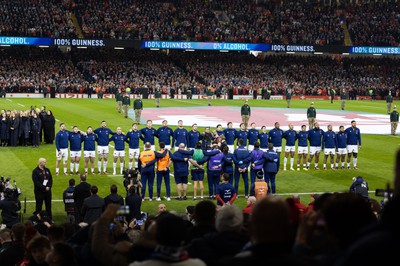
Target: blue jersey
{"points": [[263, 137], [216, 161], [253, 136], [164, 134], [219, 132], [228, 163], [192, 138], [315, 137], [89, 142], [75, 141], [179, 137], [148, 134], [230, 135], [275, 137], [119, 141], [132, 138], [242, 134], [62, 138], [329, 140], [226, 192], [353, 136], [341, 140], [302, 137], [290, 136], [103, 135]]}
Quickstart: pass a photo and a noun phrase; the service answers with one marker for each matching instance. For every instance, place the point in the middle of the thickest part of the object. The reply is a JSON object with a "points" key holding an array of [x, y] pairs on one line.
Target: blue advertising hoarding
{"points": [[206, 46], [11, 40]]}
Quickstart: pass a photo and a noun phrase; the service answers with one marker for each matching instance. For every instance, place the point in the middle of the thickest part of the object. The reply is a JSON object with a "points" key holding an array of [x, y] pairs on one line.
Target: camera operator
{"points": [[41, 221], [360, 187], [131, 180], [10, 207]]}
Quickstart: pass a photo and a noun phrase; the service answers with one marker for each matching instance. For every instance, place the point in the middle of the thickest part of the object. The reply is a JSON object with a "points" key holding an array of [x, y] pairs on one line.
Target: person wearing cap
{"points": [[126, 102], [394, 120], [245, 112], [118, 98], [311, 115], [157, 96]]}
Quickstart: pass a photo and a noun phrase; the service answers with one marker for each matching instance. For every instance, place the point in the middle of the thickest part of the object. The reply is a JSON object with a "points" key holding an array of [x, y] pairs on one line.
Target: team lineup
{"points": [[228, 153]]}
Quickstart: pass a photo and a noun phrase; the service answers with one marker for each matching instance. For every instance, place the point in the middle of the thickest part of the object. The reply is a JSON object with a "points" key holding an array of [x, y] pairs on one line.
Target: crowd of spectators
{"points": [[33, 70], [89, 70], [36, 18], [374, 23]]}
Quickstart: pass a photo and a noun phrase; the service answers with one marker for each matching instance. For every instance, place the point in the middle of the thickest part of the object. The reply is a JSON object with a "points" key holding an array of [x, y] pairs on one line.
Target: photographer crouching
{"points": [[9, 203], [131, 179]]}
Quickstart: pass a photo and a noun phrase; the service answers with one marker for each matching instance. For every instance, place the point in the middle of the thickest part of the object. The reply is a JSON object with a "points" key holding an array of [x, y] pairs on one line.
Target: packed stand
{"points": [[35, 70], [221, 21], [134, 69], [42, 18], [374, 23]]}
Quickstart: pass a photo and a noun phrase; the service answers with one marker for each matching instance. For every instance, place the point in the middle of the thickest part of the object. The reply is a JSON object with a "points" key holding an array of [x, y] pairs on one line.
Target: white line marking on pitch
{"points": [[9, 100], [21, 105]]}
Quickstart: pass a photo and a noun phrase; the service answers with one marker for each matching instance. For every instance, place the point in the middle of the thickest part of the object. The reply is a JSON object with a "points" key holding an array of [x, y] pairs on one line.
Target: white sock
{"points": [[304, 165], [324, 165], [99, 165], [348, 164], [298, 165], [92, 169], [115, 167], [337, 165], [331, 165], [76, 167], [121, 167], [57, 170], [291, 162], [86, 170], [105, 166], [130, 165], [284, 162], [136, 164], [308, 164], [355, 162], [65, 169], [342, 164], [71, 166], [315, 165]]}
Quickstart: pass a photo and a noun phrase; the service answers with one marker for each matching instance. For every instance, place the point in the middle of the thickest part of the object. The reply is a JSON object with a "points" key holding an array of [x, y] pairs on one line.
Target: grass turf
{"points": [[376, 159]]}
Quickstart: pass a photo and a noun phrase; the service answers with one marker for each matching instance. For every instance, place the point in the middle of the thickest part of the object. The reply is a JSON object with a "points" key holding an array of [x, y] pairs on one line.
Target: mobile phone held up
{"points": [[123, 210]]}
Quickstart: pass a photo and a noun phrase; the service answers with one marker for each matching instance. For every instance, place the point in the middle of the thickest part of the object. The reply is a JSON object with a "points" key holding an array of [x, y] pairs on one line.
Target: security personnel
{"points": [[245, 112], [343, 97], [163, 165], [209, 93], [157, 96], [394, 120], [288, 97], [42, 182], [260, 188], [138, 108], [126, 102], [311, 115], [389, 101], [118, 98]]}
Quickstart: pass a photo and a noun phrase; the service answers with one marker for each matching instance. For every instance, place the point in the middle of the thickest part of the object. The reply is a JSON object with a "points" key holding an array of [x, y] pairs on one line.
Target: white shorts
{"points": [[302, 150], [75, 154], [102, 150], [231, 148], [250, 148], [278, 149], [190, 149], [134, 153], [329, 151], [119, 153], [290, 148], [264, 149], [63, 153], [153, 147], [168, 147], [88, 154], [352, 148], [314, 150], [342, 151]]}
